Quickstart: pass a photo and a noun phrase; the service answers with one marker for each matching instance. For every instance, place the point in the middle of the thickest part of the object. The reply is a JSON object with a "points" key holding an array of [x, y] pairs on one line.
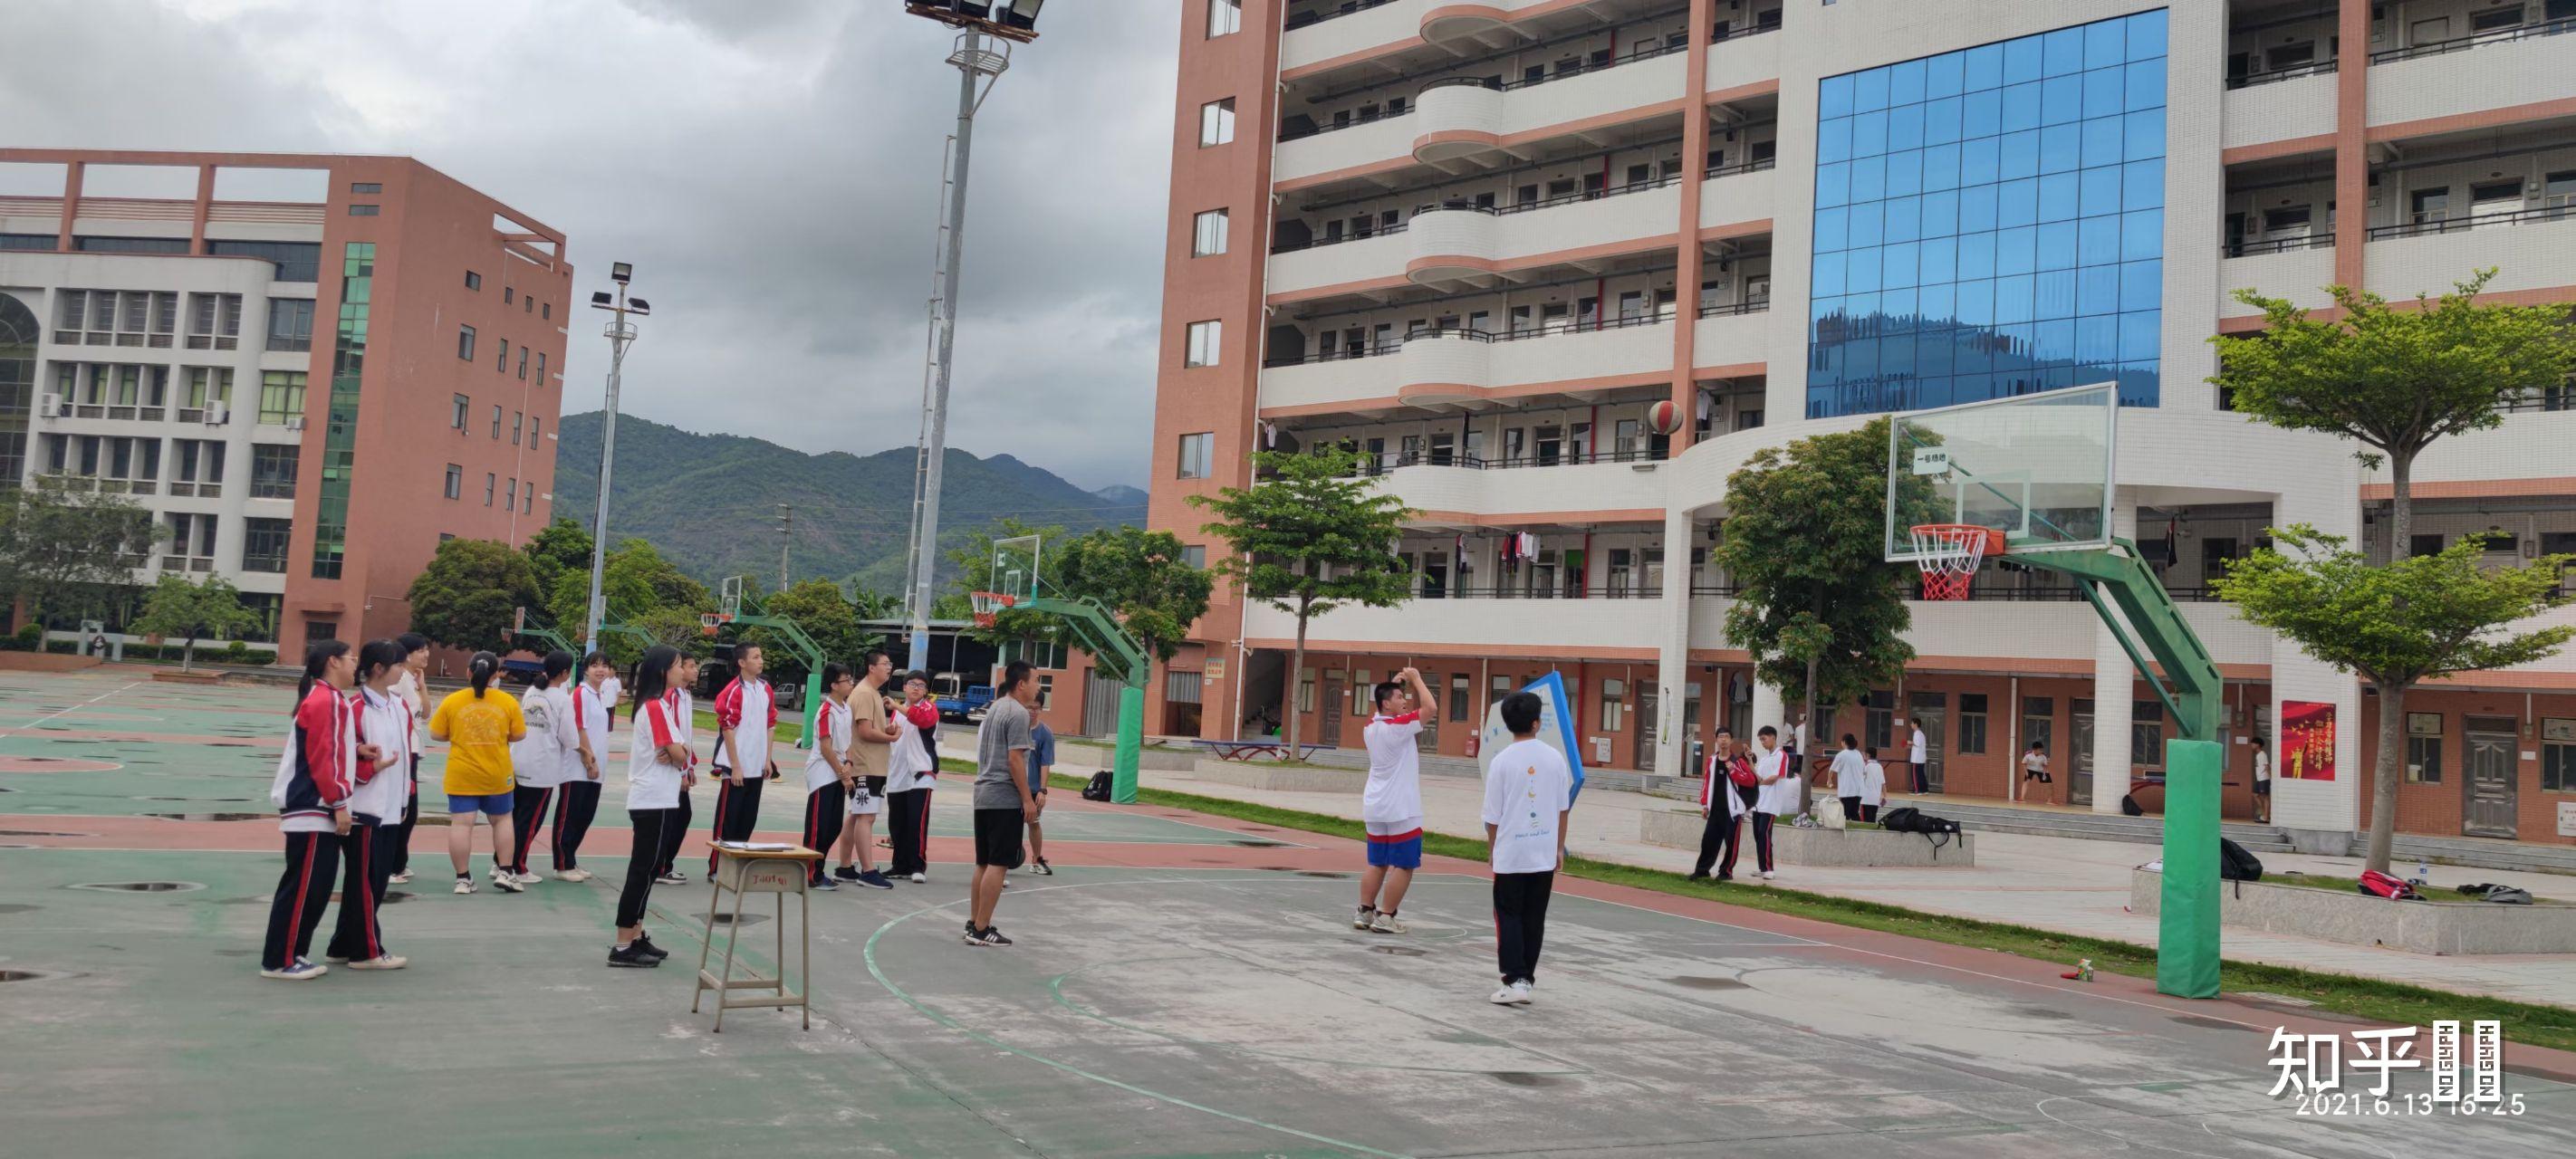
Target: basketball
{"points": [[1664, 417]]}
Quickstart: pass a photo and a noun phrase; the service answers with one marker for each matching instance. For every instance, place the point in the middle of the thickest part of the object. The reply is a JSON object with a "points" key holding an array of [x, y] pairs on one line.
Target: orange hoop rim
{"points": [[1950, 554], [988, 607]]}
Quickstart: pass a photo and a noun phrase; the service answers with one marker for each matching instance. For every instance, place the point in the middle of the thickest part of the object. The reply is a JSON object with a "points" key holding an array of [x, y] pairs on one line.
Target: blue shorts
{"points": [[1400, 850], [490, 805]]}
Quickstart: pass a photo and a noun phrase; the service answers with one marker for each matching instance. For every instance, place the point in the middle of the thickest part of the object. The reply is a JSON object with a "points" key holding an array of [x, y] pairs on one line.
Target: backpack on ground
{"points": [[1098, 789], [2129, 807], [1908, 819], [2235, 864], [2501, 894], [2378, 884]]}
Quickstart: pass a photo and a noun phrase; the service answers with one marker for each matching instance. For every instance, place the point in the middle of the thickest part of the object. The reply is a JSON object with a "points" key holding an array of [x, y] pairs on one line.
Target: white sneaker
{"points": [[1507, 996], [506, 882], [1520, 992], [921, 879], [403, 878], [528, 878], [1361, 917], [573, 875], [464, 885], [1768, 875], [381, 962], [1385, 923]]}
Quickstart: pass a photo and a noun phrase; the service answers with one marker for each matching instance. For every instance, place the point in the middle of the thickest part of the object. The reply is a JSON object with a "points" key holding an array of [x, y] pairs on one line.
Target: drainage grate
{"points": [[140, 886]]}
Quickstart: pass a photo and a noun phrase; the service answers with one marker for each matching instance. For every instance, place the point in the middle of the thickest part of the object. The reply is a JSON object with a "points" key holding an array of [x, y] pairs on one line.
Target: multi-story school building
{"points": [[311, 369], [1479, 240]]}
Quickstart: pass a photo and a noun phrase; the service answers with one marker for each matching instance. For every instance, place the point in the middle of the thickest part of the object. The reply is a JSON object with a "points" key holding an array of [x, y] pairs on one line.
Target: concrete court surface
{"points": [[1184, 986]]}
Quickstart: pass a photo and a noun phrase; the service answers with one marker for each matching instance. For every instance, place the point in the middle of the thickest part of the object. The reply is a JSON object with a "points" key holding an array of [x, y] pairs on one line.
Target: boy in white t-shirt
{"points": [[1851, 775], [1391, 805], [1873, 792], [1528, 791]]}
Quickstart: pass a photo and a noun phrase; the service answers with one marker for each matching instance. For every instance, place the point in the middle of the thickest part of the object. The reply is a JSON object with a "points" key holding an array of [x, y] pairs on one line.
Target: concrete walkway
{"points": [[2070, 885]]}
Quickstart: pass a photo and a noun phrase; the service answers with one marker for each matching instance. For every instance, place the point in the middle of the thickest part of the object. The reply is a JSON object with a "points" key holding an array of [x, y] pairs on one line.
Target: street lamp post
{"points": [[982, 51], [621, 334]]}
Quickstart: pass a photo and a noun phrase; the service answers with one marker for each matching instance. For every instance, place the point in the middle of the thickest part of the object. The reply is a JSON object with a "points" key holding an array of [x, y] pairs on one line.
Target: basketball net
{"points": [[1950, 554], [989, 605]]}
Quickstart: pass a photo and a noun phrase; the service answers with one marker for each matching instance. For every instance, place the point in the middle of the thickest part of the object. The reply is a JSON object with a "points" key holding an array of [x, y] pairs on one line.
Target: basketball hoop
{"points": [[1950, 554], [989, 605], [709, 623]]}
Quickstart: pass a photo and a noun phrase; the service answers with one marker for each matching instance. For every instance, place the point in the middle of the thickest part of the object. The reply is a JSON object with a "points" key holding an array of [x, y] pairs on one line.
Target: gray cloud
{"points": [[771, 168]]}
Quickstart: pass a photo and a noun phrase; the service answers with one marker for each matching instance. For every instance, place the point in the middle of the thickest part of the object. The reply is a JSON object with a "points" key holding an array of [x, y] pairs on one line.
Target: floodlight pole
{"points": [[621, 334], [976, 57]]}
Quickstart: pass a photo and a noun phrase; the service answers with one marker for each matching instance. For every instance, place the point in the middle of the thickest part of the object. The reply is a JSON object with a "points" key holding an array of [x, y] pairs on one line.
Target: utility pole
{"points": [[621, 334], [977, 56], [786, 529]]}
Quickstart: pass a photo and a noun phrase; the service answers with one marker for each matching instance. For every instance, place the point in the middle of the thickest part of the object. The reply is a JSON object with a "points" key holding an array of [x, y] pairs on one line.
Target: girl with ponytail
{"points": [[315, 779], [658, 778], [480, 723]]}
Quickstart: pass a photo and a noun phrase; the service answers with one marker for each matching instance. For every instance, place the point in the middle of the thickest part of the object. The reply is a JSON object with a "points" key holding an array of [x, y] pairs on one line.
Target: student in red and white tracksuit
{"points": [[829, 776], [742, 762], [592, 706], [314, 779], [376, 811]]}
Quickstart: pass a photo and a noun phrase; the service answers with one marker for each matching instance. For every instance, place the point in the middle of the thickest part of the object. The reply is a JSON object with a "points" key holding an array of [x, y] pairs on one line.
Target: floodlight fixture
{"points": [[621, 272]]}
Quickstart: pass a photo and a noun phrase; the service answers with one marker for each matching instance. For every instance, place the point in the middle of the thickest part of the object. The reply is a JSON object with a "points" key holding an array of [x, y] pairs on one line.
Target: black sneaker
{"points": [[644, 942], [846, 873], [988, 936], [632, 956], [1041, 868]]}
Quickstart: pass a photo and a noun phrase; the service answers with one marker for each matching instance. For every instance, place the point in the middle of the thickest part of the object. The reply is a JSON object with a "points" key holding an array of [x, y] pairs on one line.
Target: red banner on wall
{"points": [[2307, 740]]}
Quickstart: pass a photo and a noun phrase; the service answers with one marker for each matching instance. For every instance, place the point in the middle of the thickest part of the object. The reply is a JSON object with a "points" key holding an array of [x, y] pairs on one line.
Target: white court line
{"points": [[68, 708]]}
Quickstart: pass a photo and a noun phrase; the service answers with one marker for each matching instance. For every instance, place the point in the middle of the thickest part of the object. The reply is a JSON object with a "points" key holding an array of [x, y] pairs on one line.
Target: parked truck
{"points": [[959, 700]]}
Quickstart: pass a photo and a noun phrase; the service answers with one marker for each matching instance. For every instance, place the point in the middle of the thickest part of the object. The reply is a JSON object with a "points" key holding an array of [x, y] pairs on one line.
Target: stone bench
{"points": [[1848, 848], [2420, 927]]}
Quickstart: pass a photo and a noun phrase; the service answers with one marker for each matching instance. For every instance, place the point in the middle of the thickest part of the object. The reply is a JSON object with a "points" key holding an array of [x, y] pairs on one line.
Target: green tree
{"points": [[468, 595], [564, 546], [1309, 535], [676, 627], [63, 550], [634, 580], [2396, 626], [825, 618], [1817, 603], [1141, 578], [176, 607], [2395, 380]]}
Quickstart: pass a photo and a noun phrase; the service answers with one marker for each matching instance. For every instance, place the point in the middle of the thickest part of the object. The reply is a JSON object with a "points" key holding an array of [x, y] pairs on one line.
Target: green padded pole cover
{"points": [[1131, 745], [2187, 930]]}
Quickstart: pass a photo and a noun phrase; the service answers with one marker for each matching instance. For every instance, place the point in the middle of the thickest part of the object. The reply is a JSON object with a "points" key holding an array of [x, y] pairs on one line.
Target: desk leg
{"points": [[804, 954], [732, 937], [780, 956], [706, 942]]}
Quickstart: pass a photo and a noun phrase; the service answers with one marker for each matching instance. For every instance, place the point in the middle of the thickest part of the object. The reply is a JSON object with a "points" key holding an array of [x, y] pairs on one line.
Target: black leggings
{"points": [[528, 808], [364, 870], [312, 861], [672, 835], [400, 862], [572, 821], [650, 825]]}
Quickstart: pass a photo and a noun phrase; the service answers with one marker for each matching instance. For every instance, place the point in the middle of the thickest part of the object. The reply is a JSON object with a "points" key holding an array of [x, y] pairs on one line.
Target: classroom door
{"points": [[1100, 704], [1646, 705], [1330, 708], [1933, 709], [1428, 740], [2488, 810], [2079, 753]]}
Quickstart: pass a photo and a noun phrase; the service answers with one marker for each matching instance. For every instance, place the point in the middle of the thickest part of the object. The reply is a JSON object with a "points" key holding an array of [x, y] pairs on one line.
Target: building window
{"points": [[458, 408], [364, 210], [509, 295], [546, 310], [1459, 691], [496, 422], [2557, 755], [491, 486], [523, 364], [1216, 123], [1614, 704], [340, 432], [516, 418], [281, 396], [465, 343], [264, 543], [1990, 222], [296, 261], [510, 495], [1305, 690], [1363, 694], [1203, 340], [2424, 543], [2147, 733], [1207, 234], [503, 363], [317, 631], [1197, 455], [1225, 18], [290, 323], [536, 429], [1194, 555], [455, 481], [366, 187], [528, 500], [473, 281], [1972, 722], [2423, 748], [272, 471], [541, 368]]}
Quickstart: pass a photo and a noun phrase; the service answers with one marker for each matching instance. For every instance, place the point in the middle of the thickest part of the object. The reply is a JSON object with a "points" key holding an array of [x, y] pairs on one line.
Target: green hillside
{"points": [[709, 502]]}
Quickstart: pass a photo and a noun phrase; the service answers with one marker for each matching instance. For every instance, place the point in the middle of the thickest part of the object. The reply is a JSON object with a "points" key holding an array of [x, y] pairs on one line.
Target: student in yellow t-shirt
{"points": [[479, 724]]}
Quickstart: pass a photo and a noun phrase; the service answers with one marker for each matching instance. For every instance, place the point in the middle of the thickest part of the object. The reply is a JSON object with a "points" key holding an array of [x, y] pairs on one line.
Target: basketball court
{"points": [[1186, 985]]}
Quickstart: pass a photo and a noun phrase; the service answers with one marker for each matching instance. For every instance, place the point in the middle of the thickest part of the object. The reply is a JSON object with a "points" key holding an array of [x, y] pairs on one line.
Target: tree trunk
{"points": [[1296, 667], [1807, 711], [188, 655], [2401, 506], [2383, 777]]}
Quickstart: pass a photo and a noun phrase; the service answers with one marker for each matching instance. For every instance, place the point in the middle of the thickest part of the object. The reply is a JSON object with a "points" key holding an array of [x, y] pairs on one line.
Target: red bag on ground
{"points": [[2378, 884]]}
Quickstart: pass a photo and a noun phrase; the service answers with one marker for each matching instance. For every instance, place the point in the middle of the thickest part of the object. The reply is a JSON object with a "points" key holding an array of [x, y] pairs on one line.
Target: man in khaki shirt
{"points": [[871, 736]]}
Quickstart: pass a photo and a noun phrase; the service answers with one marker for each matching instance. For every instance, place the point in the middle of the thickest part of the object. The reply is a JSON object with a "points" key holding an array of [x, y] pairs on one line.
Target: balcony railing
{"points": [[1508, 210], [1310, 17], [1723, 309], [1541, 330], [1436, 458], [2291, 72], [2475, 39], [2556, 208], [2322, 239], [1500, 86], [1755, 166], [1631, 592], [1355, 235]]}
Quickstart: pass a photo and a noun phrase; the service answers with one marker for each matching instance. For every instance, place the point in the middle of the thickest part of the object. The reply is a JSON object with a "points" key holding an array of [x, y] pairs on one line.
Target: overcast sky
{"points": [[770, 166]]}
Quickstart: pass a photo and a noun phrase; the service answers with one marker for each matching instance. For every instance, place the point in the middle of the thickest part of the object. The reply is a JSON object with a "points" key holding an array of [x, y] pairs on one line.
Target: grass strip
{"points": [[2368, 998]]}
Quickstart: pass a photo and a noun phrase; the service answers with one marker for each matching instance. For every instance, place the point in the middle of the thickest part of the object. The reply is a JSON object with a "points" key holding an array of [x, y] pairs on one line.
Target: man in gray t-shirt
{"points": [[1003, 806]]}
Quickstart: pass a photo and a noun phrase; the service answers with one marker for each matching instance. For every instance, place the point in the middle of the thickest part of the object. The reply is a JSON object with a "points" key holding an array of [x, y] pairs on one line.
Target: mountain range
{"points": [[709, 502]]}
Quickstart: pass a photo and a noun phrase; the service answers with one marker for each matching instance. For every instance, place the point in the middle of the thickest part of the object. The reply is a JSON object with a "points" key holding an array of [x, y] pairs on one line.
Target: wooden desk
{"points": [[741, 872]]}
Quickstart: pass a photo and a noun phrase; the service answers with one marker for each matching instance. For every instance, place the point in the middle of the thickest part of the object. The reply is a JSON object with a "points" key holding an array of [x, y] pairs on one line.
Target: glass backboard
{"points": [[1015, 567], [2036, 467]]}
